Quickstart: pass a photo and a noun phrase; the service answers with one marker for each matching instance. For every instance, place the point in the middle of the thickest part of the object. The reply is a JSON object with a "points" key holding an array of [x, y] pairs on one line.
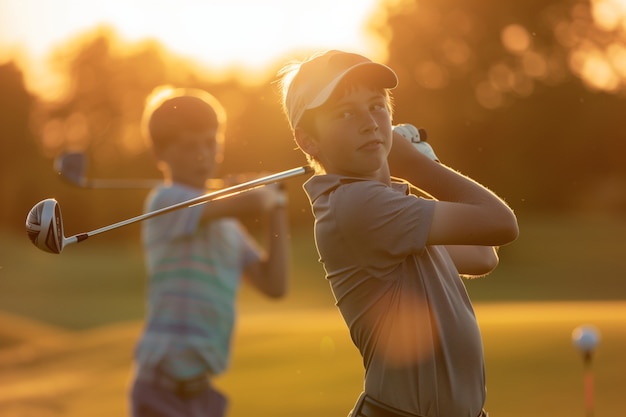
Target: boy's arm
{"points": [[270, 275], [473, 261], [241, 205], [470, 261], [466, 213]]}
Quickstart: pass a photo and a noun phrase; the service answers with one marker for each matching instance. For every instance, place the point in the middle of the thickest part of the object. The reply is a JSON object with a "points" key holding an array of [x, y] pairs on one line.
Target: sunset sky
{"points": [[219, 34]]}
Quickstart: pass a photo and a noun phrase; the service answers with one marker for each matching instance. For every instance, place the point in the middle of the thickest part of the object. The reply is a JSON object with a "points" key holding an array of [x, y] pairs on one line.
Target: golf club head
{"points": [[44, 226], [71, 166]]}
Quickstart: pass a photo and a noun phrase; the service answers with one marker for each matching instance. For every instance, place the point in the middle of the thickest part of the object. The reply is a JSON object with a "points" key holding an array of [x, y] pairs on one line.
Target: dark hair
{"points": [[166, 117]]}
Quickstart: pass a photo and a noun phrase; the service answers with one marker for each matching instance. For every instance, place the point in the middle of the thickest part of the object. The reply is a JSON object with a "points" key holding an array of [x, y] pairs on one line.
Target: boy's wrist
{"points": [[281, 200]]}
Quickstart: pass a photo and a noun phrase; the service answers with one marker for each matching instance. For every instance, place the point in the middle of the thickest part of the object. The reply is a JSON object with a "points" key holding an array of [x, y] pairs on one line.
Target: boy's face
{"points": [[192, 159], [352, 134]]}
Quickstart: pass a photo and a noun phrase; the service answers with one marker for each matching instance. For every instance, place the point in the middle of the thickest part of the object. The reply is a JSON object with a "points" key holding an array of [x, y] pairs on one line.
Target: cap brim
{"points": [[378, 75]]}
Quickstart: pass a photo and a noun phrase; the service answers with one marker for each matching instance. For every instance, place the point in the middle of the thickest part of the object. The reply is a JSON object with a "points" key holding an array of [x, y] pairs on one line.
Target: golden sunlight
{"points": [[225, 36], [609, 14], [600, 59]]}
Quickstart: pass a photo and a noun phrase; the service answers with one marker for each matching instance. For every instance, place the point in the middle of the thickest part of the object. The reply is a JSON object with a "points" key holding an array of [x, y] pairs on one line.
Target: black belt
{"points": [[185, 388], [369, 407]]}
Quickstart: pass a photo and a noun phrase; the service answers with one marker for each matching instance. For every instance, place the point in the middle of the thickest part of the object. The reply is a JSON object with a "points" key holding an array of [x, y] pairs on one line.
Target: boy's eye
{"points": [[194, 146], [347, 114], [350, 112], [378, 106], [344, 113]]}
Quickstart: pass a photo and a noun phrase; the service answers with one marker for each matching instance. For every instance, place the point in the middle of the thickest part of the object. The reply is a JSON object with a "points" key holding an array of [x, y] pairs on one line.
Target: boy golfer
{"points": [[196, 259], [393, 259]]}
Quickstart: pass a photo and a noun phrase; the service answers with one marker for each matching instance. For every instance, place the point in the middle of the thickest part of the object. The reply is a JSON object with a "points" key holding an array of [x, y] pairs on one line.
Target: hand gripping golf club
{"points": [[44, 224]]}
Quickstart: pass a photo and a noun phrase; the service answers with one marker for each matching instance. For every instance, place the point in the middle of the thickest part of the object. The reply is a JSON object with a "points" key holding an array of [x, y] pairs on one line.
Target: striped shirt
{"points": [[194, 271]]}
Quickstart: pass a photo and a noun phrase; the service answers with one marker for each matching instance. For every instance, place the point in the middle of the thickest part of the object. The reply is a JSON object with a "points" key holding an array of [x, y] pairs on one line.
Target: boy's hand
{"points": [[272, 195], [417, 137]]}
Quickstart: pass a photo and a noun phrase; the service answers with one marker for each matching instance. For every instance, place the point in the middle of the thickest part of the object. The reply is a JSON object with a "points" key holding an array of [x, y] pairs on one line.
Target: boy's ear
{"points": [[306, 141], [219, 151], [162, 166], [160, 157]]}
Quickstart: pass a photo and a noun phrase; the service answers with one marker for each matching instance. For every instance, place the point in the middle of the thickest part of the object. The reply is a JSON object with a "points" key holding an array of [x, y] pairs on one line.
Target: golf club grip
{"points": [[248, 185]]}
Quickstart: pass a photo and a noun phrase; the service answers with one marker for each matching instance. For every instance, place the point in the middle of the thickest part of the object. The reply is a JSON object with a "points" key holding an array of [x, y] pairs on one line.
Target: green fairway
{"points": [[301, 362], [532, 366], [68, 324]]}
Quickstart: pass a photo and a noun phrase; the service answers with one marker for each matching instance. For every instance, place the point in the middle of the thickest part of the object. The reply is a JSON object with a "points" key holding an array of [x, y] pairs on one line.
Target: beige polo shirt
{"points": [[405, 304]]}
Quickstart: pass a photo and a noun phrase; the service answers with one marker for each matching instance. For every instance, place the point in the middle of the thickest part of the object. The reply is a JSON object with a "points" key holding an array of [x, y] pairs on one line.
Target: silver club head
{"points": [[44, 226]]}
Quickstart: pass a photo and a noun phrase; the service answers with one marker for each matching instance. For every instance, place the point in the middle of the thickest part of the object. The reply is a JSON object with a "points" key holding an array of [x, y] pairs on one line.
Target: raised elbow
{"points": [[490, 263], [277, 291], [277, 294], [510, 230], [477, 262]]}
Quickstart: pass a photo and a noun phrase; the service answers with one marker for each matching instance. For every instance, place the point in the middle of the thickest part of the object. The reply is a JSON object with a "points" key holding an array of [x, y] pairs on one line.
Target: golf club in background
{"points": [[44, 224], [72, 167], [586, 339]]}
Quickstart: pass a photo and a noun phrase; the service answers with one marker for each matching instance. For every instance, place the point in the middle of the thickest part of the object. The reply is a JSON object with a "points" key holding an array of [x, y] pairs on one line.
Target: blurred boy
{"points": [[196, 258], [394, 259]]}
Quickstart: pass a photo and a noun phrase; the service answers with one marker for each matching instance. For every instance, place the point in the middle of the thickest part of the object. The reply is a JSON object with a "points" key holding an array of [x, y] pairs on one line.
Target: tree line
{"points": [[504, 91]]}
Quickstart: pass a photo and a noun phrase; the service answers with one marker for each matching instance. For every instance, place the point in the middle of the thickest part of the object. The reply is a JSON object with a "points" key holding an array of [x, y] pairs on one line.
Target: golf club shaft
{"points": [[235, 189], [136, 183], [118, 184], [72, 167]]}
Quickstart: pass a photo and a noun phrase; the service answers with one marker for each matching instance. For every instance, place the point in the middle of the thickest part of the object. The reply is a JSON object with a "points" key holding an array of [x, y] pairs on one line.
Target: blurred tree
{"points": [[107, 84], [509, 95], [525, 97], [21, 162], [99, 114], [108, 81]]}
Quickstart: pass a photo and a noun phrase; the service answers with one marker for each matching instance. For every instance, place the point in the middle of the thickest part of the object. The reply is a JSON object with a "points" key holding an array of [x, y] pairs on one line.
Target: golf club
{"points": [[44, 224], [72, 167]]}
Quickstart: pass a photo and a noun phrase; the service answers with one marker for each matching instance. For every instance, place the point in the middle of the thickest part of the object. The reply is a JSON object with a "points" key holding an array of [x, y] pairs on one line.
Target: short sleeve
{"points": [[381, 225], [179, 223]]}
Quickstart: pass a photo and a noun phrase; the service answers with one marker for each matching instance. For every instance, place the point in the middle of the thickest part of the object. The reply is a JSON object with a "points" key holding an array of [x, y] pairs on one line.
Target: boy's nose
{"points": [[368, 123]]}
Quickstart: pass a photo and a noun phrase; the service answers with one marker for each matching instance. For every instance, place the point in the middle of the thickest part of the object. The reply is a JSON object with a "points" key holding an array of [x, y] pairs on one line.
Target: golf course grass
{"points": [[288, 362], [68, 324]]}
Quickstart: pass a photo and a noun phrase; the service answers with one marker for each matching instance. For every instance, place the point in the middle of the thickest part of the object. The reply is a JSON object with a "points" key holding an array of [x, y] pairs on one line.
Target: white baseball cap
{"points": [[317, 78]]}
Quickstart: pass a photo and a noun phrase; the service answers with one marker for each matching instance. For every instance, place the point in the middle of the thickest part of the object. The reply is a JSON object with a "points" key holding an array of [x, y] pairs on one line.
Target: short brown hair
{"points": [[169, 112]]}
